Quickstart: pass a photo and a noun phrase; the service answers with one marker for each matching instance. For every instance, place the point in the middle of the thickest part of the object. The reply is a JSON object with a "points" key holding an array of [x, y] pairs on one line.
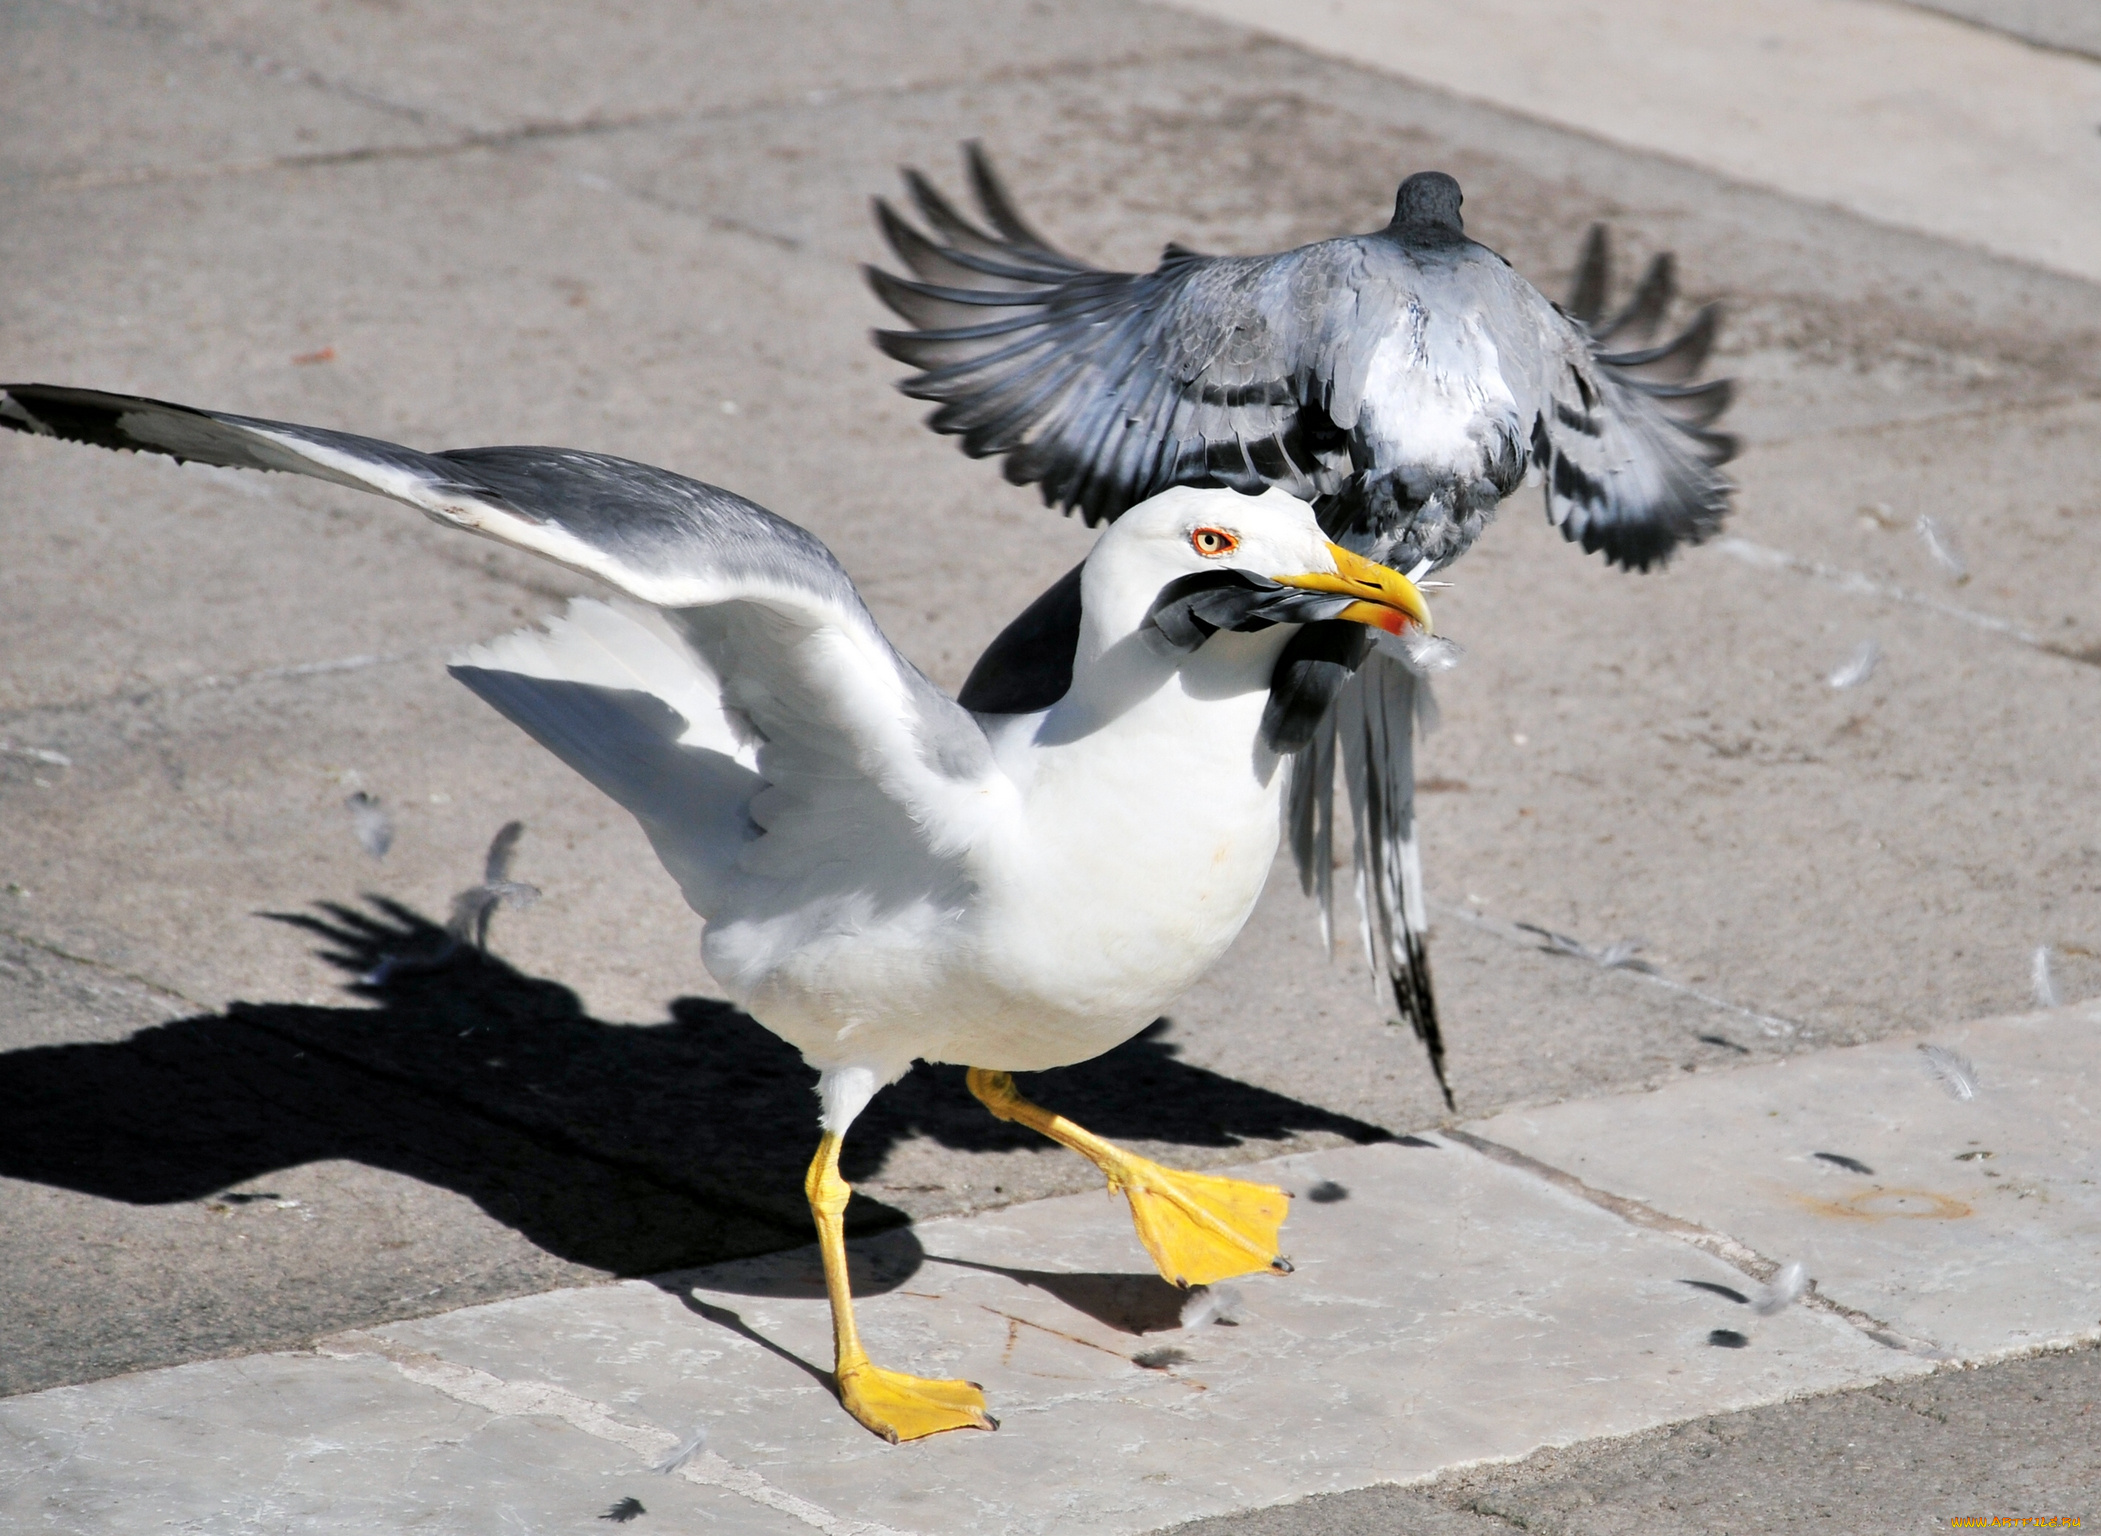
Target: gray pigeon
{"points": [[1403, 381]]}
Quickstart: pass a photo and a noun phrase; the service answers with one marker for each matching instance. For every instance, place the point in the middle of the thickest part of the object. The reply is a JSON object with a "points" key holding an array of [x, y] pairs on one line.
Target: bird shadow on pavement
{"points": [[632, 1148]]}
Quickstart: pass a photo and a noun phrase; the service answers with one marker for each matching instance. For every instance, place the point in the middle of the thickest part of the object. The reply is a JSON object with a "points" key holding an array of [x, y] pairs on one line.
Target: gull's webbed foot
{"points": [[1199, 1227], [900, 1407]]}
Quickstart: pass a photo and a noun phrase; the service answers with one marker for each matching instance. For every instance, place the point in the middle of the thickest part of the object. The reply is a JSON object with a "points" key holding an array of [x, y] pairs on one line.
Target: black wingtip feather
{"points": [[1644, 312], [1586, 300], [996, 202]]}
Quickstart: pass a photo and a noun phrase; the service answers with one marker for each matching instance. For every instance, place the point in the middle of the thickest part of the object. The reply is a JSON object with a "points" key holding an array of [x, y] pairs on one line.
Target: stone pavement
{"points": [[1544, 1278], [637, 232]]}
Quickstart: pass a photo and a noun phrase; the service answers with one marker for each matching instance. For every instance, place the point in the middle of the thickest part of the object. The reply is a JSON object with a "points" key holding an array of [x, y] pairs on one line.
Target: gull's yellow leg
{"points": [[1198, 1227], [895, 1406]]}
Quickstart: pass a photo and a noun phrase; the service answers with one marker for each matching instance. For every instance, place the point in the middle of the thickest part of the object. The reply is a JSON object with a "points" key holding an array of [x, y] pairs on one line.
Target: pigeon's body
{"points": [[1403, 381]]}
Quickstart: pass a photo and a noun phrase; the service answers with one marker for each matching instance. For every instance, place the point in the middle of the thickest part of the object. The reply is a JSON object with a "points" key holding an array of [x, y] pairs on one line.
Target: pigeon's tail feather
{"points": [[1376, 724], [1310, 823]]}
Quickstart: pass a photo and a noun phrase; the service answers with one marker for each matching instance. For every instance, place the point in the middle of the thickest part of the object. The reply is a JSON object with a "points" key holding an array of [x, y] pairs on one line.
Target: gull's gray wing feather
{"points": [[771, 627]]}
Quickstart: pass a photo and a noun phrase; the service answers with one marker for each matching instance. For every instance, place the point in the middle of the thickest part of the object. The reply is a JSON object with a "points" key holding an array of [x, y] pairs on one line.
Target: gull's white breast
{"points": [[1128, 861]]}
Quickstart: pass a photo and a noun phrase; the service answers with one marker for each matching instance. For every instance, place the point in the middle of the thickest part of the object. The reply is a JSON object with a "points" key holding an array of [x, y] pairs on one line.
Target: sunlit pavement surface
{"points": [[639, 233]]}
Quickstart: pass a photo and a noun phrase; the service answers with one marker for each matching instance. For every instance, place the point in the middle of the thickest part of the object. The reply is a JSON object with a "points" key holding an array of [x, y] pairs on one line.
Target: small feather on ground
{"points": [[1214, 1304], [474, 907], [1619, 955], [624, 1511], [1952, 1070], [1942, 549], [684, 1451], [471, 911], [37, 754], [1858, 667], [1782, 1291], [2040, 978], [1850, 1164], [370, 824], [1162, 1358]]}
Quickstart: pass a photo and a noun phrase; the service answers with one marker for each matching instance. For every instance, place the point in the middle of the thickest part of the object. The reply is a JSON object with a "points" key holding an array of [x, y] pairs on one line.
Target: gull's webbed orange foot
{"points": [[1199, 1227], [900, 1407]]}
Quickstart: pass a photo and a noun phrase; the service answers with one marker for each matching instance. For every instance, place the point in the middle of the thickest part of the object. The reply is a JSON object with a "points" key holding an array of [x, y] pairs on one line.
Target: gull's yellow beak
{"points": [[1385, 598]]}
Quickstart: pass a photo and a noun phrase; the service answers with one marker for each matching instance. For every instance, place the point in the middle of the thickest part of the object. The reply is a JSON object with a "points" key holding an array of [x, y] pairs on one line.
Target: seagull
{"points": [[885, 875], [1403, 381]]}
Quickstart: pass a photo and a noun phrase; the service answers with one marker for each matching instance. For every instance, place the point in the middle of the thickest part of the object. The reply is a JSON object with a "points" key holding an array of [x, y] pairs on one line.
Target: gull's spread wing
{"points": [[762, 687]]}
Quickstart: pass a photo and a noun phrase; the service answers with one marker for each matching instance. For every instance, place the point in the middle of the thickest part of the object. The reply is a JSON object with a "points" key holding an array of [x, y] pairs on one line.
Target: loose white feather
{"points": [[1952, 1070], [1782, 1291], [2039, 975], [1619, 955], [684, 1451], [370, 823], [37, 754], [1858, 667], [1428, 655], [473, 908], [1214, 1304], [1942, 549]]}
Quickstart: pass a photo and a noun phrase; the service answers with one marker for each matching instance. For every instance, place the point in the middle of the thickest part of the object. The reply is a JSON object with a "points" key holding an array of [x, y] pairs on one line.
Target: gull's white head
{"points": [[1170, 544]]}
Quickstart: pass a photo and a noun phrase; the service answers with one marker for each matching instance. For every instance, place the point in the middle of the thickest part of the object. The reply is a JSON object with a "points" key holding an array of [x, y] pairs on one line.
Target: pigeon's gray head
{"points": [[1429, 197]]}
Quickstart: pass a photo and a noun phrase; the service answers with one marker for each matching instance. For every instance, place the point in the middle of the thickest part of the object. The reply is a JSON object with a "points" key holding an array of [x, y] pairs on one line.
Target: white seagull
{"points": [[886, 876]]}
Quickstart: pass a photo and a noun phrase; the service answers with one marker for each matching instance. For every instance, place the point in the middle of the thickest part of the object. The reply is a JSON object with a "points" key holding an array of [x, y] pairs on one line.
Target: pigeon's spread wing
{"points": [[1623, 426], [778, 647], [1109, 387]]}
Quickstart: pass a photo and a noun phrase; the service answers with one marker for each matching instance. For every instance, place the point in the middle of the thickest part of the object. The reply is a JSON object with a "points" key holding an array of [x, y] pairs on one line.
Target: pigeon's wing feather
{"points": [[1622, 428], [841, 722], [1106, 388]]}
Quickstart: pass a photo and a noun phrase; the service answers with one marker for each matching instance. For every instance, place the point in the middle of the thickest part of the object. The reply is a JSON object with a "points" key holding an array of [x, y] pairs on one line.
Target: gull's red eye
{"points": [[1213, 542]]}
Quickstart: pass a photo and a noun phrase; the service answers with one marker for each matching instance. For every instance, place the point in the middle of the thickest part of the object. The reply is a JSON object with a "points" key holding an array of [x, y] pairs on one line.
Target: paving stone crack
{"points": [[1858, 584], [1738, 1255], [1771, 1024], [464, 141], [45, 946], [542, 1400], [190, 687]]}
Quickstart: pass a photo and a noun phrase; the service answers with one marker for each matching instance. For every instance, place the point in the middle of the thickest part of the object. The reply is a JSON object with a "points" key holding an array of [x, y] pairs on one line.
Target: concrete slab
{"points": [[95, 98], [1449, 1309], [541, 65], [2010, 1440], [317, 1444], [1975, 136], [1974, 1224]]}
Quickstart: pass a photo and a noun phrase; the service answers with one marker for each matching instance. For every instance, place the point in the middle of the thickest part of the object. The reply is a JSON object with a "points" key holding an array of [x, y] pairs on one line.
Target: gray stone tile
{"points": [[296, 1444], [1447, 1310], [1975, 1225]]}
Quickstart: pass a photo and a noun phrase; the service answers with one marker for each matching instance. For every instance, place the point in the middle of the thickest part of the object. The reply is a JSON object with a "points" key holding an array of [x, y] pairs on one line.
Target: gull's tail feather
{"points": [[1375, 722]]}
